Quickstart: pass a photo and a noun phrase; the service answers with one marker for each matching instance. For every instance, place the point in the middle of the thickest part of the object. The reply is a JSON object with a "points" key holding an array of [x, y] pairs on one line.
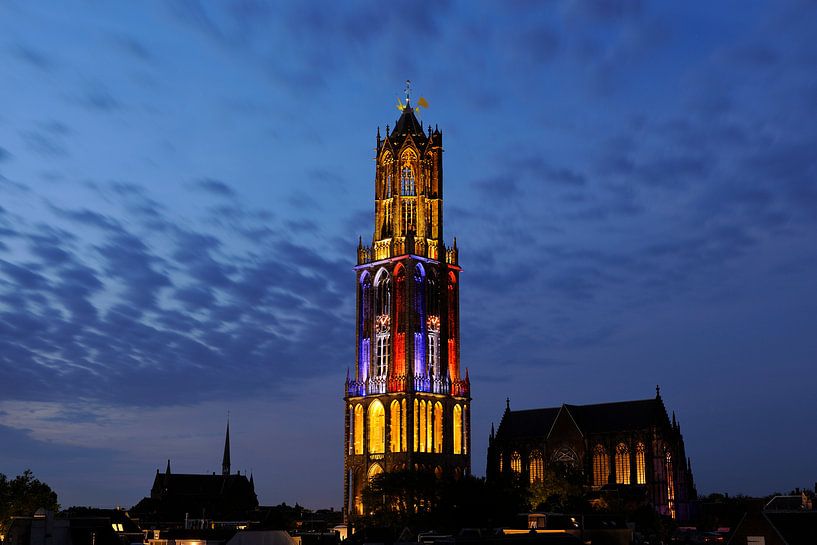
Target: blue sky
{"points": [[633, 187]]}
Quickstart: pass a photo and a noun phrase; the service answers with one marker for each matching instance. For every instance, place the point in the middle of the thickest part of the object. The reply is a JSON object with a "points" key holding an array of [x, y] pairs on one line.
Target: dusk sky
{"points": [[632, 185]]}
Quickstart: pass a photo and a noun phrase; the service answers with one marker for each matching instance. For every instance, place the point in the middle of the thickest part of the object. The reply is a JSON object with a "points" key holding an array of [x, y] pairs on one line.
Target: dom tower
{"points": [[407, 406]]}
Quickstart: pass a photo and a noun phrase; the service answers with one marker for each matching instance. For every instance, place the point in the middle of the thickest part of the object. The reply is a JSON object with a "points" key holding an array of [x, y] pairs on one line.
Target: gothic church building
{"points": [[629, 449], [407, 405]]}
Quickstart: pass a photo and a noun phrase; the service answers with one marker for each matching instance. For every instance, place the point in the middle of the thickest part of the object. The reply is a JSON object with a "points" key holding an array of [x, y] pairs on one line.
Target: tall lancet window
{"points": [[640, 464], [407, 183], [601, 466], [433, 324], [382, 323], [622, 464]]}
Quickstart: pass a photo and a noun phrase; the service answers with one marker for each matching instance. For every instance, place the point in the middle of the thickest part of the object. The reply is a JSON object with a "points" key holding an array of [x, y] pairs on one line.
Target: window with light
{"points": [[407, 185], [640, 464], [622, 464], [516, 462], [458, 431], [601, 466], [358, 429], [537, 466], [377, 428], [394, 427]]}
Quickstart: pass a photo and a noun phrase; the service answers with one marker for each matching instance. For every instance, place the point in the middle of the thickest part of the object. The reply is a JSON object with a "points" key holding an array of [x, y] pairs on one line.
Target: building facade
{"points": [[631, 449], [407, 407]]}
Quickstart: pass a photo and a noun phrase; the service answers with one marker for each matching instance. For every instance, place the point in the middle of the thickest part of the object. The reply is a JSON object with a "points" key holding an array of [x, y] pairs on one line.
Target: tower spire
{"points": [[225, 462]]}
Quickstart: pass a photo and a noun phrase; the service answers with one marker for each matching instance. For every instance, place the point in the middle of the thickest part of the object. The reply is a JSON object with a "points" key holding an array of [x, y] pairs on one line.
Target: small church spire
{"points": [[167, 471], [408, 93], [225, 462], [507, 404], [657, 391]]}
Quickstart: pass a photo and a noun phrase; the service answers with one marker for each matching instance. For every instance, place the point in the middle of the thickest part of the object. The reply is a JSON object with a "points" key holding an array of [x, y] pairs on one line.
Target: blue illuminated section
{"points": [[419, 357], [420, 370], [364, 359]]}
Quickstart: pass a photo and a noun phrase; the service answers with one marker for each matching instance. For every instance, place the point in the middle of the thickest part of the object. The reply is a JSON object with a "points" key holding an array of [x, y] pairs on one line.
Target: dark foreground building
{"points": [[179, 497], [630, 447], [407, 405]]}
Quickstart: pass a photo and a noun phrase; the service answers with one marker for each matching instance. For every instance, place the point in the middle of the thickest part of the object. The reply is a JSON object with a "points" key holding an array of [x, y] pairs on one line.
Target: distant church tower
{"points": [[407, 406]]}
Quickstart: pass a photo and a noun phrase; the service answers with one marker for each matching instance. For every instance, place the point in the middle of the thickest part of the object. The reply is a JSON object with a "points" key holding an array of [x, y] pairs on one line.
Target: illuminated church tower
{"points": [[407, 406]]}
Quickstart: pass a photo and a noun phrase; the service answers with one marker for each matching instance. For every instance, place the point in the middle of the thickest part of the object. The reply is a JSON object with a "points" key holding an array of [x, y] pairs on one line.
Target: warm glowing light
{"points": [[394, 427], [536, 470], [458, 432], [358, 429], [516, 462], [601, 466], [403, 426], [377, 428], [416, 426], [640, 464], [429, 424], [670, 485], [438, 427], [622, 464]]}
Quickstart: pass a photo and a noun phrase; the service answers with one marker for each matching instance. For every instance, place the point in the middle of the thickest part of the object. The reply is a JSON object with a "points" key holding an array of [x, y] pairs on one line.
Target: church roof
{"points": [[406, 125], [597, 418]]}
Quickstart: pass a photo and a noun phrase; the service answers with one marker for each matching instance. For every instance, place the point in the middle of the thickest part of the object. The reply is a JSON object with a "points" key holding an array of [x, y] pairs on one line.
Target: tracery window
{"points": [[640, 464], [565, 455], [438, 427], [516, 462], [536, 469], [501, 462], [395, 426], [433, 327], [407, 185], [377, 428], [382, 323], [670, 485], [358, 429], [388, 182], [622, 464], [458, 432], [601, 466]]}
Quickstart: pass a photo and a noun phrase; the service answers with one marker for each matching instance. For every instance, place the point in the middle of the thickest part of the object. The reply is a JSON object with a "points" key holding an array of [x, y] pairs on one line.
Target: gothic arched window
{"points": [[407, 181], [395, 424], [640, 464], [536, 469], [374, 471], [423, 426], [458, 430], [358, 429], [429, 427], [377, 428], [622, 464], [382, 318], [516, 462], [438, 427], [670, 485], [465, 410], [601, 466]]}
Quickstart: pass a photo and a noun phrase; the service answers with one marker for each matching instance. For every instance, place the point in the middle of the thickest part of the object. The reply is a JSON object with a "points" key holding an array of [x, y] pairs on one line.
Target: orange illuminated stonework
{"points": [[407, 406]]}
